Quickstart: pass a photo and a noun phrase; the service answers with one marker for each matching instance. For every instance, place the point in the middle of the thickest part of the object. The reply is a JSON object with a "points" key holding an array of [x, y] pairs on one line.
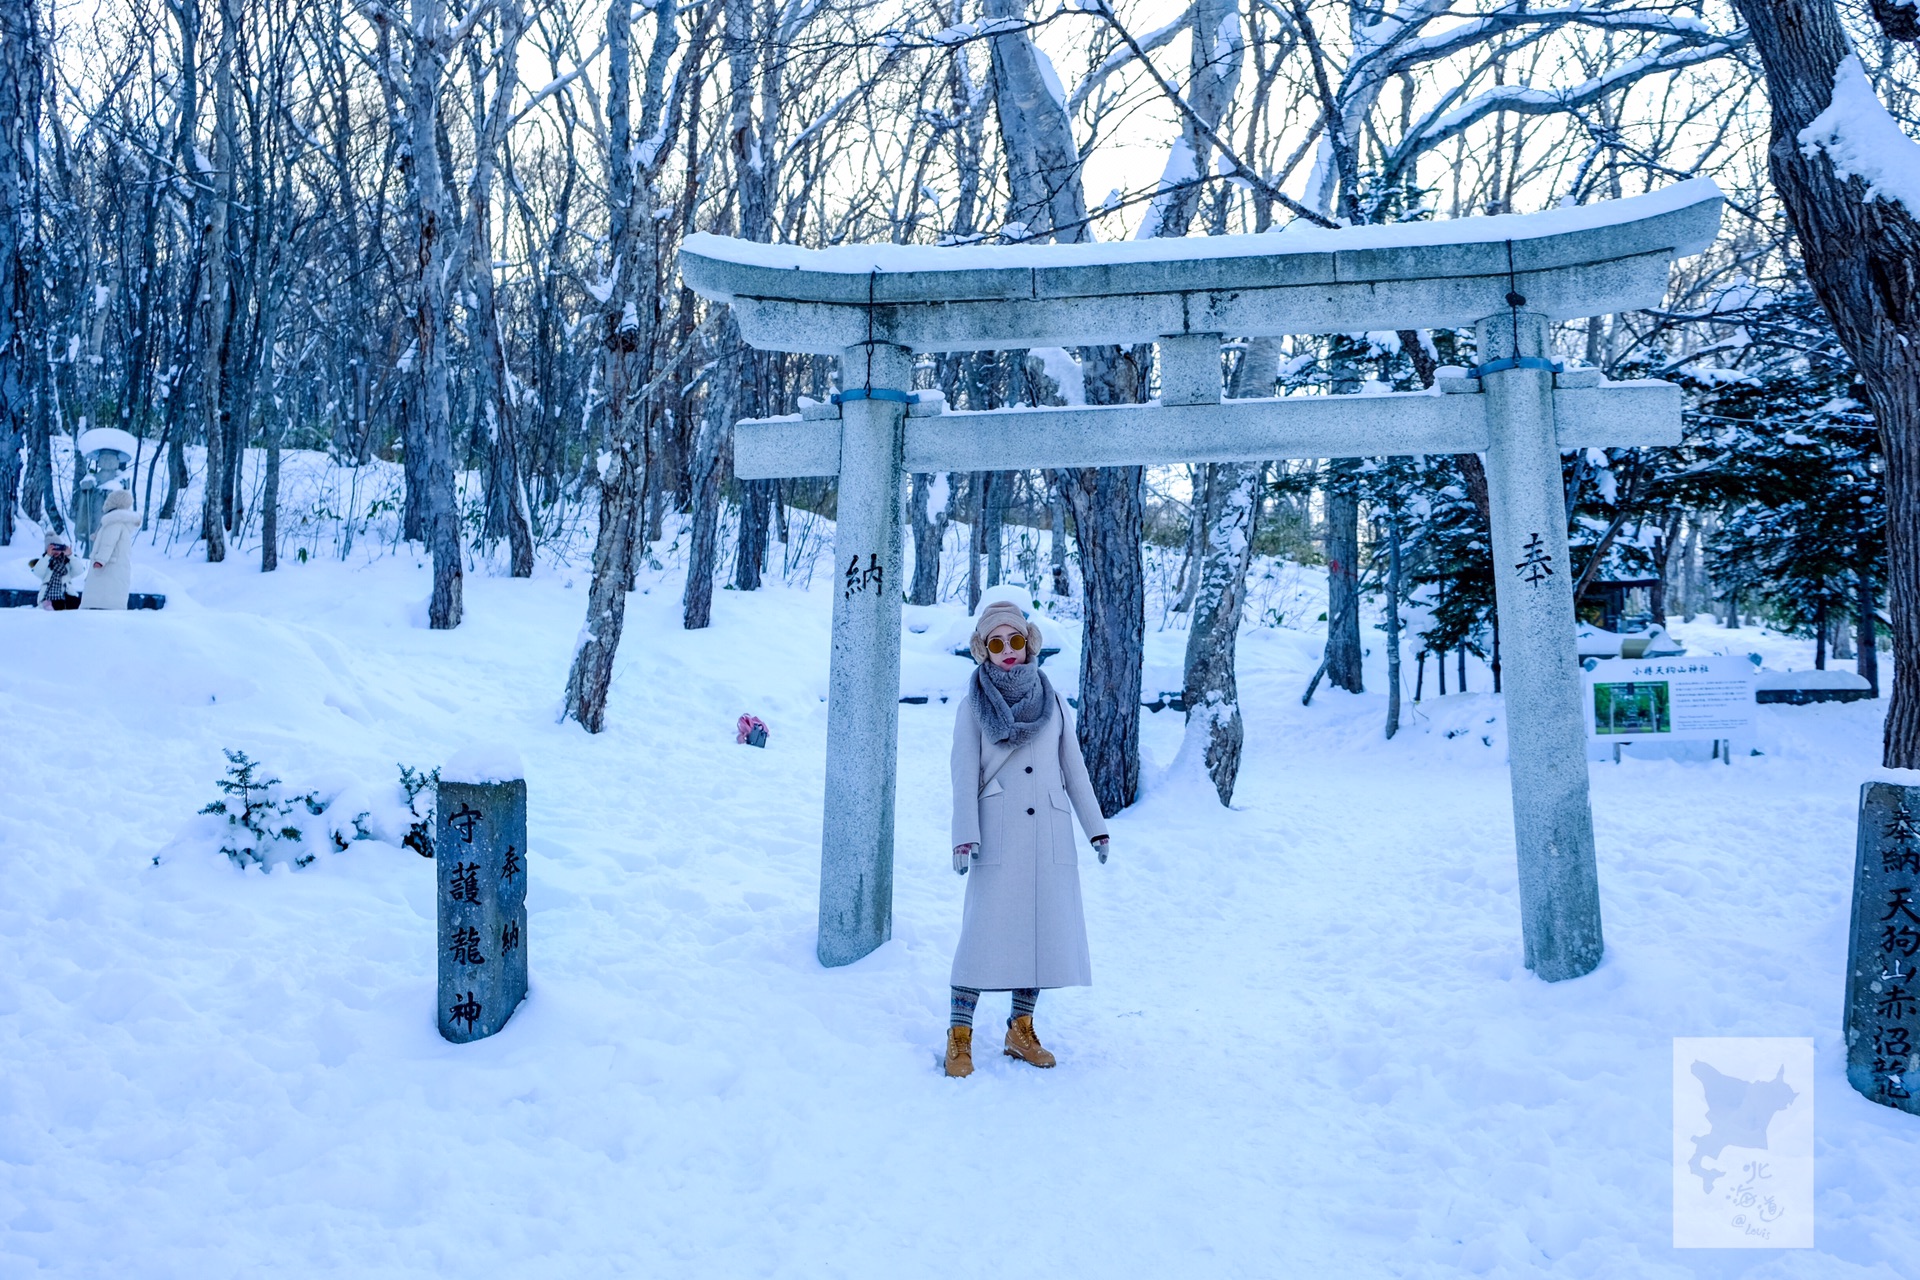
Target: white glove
{"points": [[961, 854], [1100, 846]]}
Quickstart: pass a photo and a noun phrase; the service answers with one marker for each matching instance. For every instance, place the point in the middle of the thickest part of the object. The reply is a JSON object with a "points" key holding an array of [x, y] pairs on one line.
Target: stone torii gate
{"points": [[1510, 276]]}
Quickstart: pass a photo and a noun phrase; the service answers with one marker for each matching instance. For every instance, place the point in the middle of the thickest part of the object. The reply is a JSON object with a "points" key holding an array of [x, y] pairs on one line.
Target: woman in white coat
{"points": [[112, 574], [1018, 779]]}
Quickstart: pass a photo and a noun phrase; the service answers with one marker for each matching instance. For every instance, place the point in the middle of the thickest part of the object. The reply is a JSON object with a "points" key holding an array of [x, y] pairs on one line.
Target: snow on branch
{"points": [[1120, 57], [1670, 55], [557, 84], [1865, 142], [1400, 50]]}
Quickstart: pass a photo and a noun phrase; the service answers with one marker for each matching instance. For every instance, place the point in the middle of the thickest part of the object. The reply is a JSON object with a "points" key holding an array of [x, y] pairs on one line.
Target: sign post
{"points": [[1671, 699]]}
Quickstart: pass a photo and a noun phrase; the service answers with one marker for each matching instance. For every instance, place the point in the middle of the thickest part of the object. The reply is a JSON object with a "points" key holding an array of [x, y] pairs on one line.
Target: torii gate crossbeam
{"points": [[1507, 276]]}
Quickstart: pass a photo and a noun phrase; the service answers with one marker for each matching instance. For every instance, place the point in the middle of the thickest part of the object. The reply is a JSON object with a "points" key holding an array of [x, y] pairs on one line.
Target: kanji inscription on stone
{"points": [[482, 869], [1883, 994], [873, 577], [1538, 562]]}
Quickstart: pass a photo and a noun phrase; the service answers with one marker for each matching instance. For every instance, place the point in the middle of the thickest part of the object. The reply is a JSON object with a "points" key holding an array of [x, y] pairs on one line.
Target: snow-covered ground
{"points": [[1312, 1048]]}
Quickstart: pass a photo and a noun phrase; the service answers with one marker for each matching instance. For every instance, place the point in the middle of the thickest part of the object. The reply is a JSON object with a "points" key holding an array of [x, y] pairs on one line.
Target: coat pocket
{"points": [[1065, 848], [993, 825]]}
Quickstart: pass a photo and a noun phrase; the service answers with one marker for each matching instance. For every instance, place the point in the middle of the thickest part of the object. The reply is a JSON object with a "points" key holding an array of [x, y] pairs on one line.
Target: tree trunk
{"points": [[929, 532], [1210, 689], [756, 515], [506, 501], [1663, 568], [1230, 515], [708, 452], [976, 523], [1108, 519], [1200, 478], [751, 64], [1343, 577], [270, 505], [1345, 656], [1393, 626], [214, 194], [1863, 260], [1866, 632], [434, 227], [413, 461], [993, 522], [19, 136], [1057, 546]]}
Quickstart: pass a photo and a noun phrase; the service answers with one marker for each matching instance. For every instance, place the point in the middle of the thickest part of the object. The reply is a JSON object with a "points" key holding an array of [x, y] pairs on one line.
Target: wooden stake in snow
{"points": [[875, 306], [480, 856]]}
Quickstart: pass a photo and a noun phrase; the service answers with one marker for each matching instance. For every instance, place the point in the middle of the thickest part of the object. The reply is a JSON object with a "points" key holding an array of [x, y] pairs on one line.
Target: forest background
{"points": [[444, 236]]}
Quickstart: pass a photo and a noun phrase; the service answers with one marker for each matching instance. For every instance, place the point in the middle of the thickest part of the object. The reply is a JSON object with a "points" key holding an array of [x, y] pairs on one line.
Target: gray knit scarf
{"points": [[1011, 703]]}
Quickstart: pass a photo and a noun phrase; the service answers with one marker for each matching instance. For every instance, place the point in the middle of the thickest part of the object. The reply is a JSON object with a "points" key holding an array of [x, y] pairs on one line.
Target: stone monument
{"points": [[1883, 997], [480, 857], [1507, 277]]}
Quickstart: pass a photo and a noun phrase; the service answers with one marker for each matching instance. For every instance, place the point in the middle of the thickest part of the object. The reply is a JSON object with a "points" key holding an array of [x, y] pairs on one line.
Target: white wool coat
{"points": [[108, 585], [1023, 926], [42, 566]]}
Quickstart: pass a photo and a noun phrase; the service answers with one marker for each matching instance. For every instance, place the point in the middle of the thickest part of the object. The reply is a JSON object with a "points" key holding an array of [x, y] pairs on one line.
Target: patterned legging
{"points": [[965, 999]]}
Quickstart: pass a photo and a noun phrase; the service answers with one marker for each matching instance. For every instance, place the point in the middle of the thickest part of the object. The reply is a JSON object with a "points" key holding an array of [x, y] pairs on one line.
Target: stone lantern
{"points": [[105, 453]]}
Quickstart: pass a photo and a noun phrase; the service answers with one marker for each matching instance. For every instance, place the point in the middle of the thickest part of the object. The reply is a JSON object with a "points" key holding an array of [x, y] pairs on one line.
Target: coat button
{"points": [[1029, 813], [1029, 768]]}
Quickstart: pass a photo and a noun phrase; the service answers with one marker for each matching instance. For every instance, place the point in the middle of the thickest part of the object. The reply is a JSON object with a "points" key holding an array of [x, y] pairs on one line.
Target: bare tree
{"points": [[433, 246], [506, 501], [214, 198], [629, 331], [19, 134], [1047, 200]]}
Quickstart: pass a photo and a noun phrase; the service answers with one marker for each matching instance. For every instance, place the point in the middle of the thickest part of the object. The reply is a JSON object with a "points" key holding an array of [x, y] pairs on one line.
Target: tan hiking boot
{"points": [[959, 1052], [1023, 1044]]}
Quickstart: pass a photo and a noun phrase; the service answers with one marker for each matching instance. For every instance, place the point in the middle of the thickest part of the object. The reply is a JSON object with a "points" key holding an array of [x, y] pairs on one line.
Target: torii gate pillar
{"points": [[863, 684], [1533, 585]]}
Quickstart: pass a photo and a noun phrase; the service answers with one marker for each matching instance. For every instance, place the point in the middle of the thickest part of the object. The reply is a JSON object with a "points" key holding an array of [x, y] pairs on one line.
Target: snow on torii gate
{"points": [[874, 306]]}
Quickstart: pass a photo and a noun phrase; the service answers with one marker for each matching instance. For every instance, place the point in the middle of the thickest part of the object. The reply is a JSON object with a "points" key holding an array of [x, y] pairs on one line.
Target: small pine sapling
{"points": [[419, 837], [254, 815]]}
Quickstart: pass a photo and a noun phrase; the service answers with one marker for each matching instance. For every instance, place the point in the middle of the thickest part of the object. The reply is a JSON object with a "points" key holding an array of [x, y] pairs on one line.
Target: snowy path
{"points": [[1312, 1048]]}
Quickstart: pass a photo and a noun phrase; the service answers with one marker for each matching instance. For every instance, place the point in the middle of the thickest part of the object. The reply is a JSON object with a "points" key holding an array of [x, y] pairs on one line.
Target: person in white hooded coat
{"points": [[1018, 781], [111, 577]]}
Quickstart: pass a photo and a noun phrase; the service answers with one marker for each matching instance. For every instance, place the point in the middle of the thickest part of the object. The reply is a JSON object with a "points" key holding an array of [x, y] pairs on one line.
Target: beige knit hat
{"points": [[118, 500], [1003, 613]]}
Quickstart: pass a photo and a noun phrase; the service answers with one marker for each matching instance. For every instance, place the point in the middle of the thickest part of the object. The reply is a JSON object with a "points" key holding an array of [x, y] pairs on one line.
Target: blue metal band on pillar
{"points": [[1515, 300], [875, 393], [1514, 362]]}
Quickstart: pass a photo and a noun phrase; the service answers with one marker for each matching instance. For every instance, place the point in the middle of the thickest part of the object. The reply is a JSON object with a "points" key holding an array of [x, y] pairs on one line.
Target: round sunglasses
{"points": [[1017, 642]]}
